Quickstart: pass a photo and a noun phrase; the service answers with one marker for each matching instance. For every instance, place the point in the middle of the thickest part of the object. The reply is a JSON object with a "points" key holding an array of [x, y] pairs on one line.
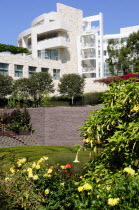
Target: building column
{"points": [[79, 43], [34, 43], [101, 46]]}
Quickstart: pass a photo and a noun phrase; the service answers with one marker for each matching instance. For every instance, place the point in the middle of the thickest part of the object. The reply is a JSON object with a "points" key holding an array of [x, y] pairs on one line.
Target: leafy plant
{"points": [[13, 49], [71, 85], [115, 126]]}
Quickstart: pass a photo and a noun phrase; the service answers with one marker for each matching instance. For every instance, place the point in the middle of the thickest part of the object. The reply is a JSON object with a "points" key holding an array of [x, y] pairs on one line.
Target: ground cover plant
{"points": [[109, 181]]}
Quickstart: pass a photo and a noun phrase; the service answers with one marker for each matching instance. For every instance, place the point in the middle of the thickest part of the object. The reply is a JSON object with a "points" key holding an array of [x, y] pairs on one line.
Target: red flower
{"points": [[68, 166]]}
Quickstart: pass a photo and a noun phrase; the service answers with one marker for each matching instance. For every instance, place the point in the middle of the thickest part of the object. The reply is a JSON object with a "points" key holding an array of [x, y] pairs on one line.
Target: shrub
{"points": [[108, 80], [116, 126], [92, 98]]}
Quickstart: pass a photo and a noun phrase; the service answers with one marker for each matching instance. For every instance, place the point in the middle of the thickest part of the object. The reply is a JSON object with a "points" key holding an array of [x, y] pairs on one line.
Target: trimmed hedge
{"points": [[13, 49]]}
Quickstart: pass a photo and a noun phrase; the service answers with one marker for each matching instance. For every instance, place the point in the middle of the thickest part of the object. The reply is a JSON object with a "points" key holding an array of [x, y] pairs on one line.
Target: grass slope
{"points": [[56, 154]]}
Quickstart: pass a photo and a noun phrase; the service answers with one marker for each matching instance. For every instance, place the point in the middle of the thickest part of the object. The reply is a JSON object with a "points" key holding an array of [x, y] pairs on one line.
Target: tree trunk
{"points": [[72, 100]]}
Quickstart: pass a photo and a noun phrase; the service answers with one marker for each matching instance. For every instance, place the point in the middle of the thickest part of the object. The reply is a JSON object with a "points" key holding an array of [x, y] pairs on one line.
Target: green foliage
{"points": [[6, 85], [124, 58], [13, 49], [45, 100], [92, 98], [115, 126], [71, 85], [35, 87], [20, 121]]}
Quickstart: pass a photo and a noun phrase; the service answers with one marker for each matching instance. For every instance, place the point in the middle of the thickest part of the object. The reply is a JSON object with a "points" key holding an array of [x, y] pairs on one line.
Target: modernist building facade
{"points": [[64, 42]]}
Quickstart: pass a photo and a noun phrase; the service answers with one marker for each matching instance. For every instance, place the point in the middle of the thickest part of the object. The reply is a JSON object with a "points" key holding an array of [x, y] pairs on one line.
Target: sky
{"points": [[17, 15]]}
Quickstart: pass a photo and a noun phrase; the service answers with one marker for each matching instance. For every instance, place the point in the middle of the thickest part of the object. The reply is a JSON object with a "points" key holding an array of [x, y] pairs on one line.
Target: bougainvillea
{"points": [[108, 80]]}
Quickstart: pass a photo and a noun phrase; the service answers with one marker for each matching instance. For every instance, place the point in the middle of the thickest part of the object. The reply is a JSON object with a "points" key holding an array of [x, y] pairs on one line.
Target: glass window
{"points": [[4, 68], [105, 52], [124, 39], [44, 69], [18, 70], [39, 53], [32, 70], [48, 54], [56, 74]]}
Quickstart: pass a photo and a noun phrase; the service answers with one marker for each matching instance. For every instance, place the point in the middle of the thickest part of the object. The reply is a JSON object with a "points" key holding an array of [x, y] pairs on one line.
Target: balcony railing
{"points": [[87, 56], [88, 45], [55, 42], [89, 69]]}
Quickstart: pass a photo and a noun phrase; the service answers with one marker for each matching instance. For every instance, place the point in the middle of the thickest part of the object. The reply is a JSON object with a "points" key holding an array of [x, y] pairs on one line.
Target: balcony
{"points": [[89, 70], [91, 30], [56, 42], [88, 56], [88, 45]]}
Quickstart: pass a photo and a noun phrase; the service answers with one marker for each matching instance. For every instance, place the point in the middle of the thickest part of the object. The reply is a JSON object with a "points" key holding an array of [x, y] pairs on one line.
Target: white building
{"points": [[64, 42]]}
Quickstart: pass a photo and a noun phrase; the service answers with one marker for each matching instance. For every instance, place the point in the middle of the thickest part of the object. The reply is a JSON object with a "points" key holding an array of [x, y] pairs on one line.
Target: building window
{"points": [[4, 68], [105, 52], [18, 70], [32, 70], [48, 54], [124, 39], [44, 70], [56, 74]]}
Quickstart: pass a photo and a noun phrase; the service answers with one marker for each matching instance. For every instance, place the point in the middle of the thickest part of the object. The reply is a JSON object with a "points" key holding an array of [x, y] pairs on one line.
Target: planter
{"points": [[11, 133]]}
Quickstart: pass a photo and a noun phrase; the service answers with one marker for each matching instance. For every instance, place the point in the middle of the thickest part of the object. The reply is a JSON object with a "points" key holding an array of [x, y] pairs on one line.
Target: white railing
{"points": [[89, 69], [86, 56], [88, 45]]}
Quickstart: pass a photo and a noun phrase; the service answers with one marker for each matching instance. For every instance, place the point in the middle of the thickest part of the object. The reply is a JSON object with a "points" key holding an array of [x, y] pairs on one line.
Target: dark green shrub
{"points": [[92, 98]]}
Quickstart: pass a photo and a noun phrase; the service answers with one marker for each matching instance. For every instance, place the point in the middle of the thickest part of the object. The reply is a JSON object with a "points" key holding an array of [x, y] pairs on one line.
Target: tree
{"points": [[6, 85], [35, 86], [124, 58], [71, 85]]}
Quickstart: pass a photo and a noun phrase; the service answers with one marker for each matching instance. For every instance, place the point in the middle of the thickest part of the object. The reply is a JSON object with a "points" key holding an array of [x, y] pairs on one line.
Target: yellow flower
{"points": [[29, 169], [81, 177], [47, 191], [46, 175], [37, 166], [108, 187], [98, 196], [62, 184], [113, 201], [86, 140], [7, 179], [12, 169], [30, 174], [21, 161], [76, 183], [49, 171], [129, 170], [45, 158], [87, 186], [35, 177], [40, 161], [34, 165], [80, 189], [63, 167]]}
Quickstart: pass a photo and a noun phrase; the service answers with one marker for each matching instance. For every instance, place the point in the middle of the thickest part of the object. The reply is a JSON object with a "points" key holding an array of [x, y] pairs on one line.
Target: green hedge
{"points": [[13, 49]]}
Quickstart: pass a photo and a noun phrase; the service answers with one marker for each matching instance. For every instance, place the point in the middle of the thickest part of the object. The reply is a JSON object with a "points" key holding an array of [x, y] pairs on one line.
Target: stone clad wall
{"points": [[28, 61], [58, 126], [73, 18]]}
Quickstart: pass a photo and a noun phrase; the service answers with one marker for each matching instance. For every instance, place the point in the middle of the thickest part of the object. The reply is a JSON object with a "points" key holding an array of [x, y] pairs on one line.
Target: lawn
{"points": [[56, 154]]}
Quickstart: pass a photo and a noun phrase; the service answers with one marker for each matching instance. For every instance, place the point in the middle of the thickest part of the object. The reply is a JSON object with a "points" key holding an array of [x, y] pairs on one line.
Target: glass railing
{"points": [[89, 69], [86, 56]]}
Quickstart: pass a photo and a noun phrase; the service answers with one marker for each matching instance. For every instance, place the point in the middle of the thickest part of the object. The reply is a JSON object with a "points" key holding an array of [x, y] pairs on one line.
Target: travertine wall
{"points": [[73, 18], [27, 61]]}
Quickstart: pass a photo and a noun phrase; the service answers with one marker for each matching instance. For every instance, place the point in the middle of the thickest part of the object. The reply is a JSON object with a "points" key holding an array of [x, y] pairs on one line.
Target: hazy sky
{"points": [[17, 15]]}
